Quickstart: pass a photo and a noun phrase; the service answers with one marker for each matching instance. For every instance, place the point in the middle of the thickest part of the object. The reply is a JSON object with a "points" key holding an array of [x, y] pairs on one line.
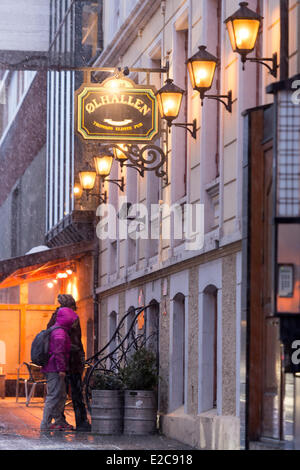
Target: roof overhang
{"points": [[41, 265]]}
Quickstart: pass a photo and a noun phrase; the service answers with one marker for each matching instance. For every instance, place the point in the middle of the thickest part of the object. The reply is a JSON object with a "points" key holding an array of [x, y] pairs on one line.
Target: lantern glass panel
{"points": [[119, 155], [201, 73], [169, 104], [77, 190], [87, 179], [243, 34], [103, 165]]}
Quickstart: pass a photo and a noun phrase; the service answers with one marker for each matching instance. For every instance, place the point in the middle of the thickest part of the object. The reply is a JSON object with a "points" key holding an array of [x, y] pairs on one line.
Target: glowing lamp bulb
{"points": [[88, 180], [169, 106], [242, 35], [114, 84], [202, 73], [61, 275], [77, 190]]}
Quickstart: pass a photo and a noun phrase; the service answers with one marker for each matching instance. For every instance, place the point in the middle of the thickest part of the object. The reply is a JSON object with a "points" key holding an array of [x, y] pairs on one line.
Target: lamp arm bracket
{"points": [[34, 63], [135, 167], [263, 60], [102, 197], [187, 125], [128, 70], [119, 183], [228, 97]]}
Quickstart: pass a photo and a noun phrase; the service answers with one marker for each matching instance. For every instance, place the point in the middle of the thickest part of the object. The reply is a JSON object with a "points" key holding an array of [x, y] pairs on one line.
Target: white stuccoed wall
{"points": [[24, 25]]}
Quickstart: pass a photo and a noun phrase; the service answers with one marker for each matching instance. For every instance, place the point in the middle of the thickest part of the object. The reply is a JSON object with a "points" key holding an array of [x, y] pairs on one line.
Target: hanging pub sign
{"points": [[117, 110]]}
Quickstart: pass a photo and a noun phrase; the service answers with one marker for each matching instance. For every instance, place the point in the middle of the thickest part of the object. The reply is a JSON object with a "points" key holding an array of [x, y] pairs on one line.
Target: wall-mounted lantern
{"points": [[124, 152], [77, 190], [169, 99], [202, 67], [243, 28], [119, 152], [87, 178], [103, 163]]}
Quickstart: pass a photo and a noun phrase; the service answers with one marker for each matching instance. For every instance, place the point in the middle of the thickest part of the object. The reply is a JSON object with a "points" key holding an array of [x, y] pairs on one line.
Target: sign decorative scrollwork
{"points": [[149, 157]]}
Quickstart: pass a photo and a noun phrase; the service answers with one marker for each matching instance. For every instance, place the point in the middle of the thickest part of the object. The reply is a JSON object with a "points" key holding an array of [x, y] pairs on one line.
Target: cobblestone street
{"points": [[19, 430]]}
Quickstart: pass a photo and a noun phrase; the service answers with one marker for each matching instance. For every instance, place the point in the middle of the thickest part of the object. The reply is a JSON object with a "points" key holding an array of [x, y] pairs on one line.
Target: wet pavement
{"points": [[20, 430]]}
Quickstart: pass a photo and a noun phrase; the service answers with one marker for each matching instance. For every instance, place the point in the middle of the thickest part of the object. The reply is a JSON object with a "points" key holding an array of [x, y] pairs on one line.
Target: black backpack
{"points": [[40, 346]]}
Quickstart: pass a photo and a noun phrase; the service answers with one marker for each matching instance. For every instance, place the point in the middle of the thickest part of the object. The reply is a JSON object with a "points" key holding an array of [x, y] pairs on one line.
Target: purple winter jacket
{"points": [[60, 344]]}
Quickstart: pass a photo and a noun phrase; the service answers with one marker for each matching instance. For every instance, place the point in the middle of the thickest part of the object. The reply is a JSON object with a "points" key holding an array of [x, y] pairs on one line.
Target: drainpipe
{"points": [[95, 295], [219, 51], [284, 39], [284, 75]]}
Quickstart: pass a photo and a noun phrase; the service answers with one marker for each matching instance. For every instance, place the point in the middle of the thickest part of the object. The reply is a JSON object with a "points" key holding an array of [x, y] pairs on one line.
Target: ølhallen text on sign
{"points": [[113, 112]]}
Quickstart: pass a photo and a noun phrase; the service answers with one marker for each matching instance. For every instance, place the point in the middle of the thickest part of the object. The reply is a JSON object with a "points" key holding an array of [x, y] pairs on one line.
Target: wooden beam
{"points": [[27, 307]]}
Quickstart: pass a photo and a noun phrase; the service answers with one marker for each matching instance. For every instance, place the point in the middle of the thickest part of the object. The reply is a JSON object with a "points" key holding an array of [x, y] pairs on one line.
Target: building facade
{"points": [[22, 161], [193, 290], [196, 294]]}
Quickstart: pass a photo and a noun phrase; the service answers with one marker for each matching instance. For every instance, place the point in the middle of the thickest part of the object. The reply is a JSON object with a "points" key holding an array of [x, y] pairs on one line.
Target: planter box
{"points": [[107, 411], [140, 412]]}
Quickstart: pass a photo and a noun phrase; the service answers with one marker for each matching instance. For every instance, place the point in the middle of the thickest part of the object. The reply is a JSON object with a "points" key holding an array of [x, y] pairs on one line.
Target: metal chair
{"points": [[35, 377]]}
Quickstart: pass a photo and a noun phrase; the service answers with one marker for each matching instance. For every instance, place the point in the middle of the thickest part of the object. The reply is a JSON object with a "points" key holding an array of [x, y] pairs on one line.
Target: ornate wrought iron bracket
{"points": [[101, 196], [263, 60], [184, 125], [149, 157], [221, 98], [120, 183]]}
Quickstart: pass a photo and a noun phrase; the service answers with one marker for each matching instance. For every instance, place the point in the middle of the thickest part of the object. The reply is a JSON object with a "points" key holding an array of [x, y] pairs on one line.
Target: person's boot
{"points": [[84, 427], [81, 420]]}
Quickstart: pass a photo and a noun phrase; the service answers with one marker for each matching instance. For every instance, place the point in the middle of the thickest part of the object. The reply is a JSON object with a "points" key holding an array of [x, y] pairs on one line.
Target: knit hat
{"points": [[66, 300]]}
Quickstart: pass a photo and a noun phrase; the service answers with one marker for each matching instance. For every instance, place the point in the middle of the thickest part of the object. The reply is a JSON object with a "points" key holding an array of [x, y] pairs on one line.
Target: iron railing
{"points": [[111, 359]]}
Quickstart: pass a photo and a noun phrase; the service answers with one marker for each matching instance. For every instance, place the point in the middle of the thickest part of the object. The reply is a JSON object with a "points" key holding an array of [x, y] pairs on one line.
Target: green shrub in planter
{"points": [[141, 371], [106, 380], [140, 400]]}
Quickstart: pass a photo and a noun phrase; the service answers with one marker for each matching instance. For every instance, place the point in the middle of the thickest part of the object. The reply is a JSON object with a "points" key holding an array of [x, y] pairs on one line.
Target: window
{"points": [[13, 87], [152, 328], [15, 221], [131, 330], [131, 185], [179, 137], [113, 344], [113, 199], [209, 348], [153, 182], [90, 29], [178, 353]]}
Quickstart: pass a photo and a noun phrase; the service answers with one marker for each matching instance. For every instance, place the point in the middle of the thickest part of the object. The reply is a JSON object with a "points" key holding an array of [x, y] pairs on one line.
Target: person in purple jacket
{"points": [[55, 371]]}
